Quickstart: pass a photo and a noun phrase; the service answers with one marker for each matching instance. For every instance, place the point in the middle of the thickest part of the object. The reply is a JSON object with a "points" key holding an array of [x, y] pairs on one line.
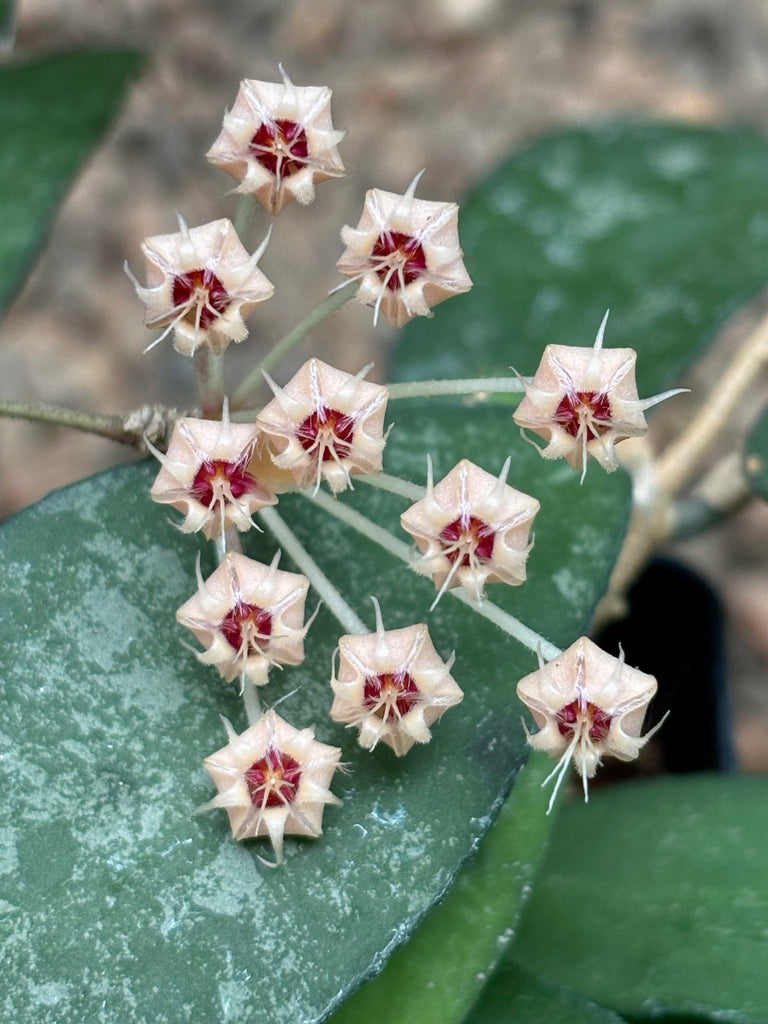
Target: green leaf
{"points": [[653, 900], [52, 113], [107, 716], [514, 996], [7, 25], [756, 456], [439, 974], [664, 225]]}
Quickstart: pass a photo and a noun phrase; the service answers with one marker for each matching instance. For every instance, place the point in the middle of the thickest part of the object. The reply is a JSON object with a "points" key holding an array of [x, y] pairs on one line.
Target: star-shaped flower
{"points": [[248, 616], [392, 685], [201, 283], [325, 425], [278, 142], [273, 780], [472, 528], [205, 474], [587, 705], [405, 253], [583, 401]]}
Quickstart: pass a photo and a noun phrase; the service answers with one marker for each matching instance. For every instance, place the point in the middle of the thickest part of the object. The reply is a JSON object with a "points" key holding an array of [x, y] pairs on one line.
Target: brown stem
{"points": [[658, 484], [678, 465], [154, 422]]}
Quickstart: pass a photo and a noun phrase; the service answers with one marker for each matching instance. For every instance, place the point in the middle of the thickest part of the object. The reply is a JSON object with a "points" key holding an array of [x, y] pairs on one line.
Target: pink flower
{"points": [[249, 617], [392, 685], [201, 283], [587, 705], [278, 142], [325, 425], [405, 253], [273, 780], [206, 476], [471, 529], [583, 401]]}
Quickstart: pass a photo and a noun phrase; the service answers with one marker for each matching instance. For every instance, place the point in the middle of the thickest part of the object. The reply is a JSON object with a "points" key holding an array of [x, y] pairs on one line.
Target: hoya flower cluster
{"points": [[471, 530]]}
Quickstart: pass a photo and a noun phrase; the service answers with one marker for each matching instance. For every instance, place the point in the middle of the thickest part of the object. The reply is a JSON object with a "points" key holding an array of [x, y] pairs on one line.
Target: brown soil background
{"points": [[450, 85]]}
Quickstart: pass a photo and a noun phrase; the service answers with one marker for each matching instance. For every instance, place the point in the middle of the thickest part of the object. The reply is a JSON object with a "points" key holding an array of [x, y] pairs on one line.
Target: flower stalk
{"points": [[255, 379], [291, 544], [209, 374]]}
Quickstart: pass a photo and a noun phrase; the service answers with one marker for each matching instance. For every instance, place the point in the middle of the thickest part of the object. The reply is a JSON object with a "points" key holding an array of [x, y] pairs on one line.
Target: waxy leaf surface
{"points": [[52, 113], [119, 904]]}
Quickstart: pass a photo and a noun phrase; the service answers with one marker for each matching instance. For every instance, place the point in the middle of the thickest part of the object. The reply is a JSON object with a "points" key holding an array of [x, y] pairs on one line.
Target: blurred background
{"points": [[449, 85]]}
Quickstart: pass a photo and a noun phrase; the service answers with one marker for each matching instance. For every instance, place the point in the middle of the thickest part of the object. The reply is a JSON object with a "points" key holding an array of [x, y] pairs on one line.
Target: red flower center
{"points": [[199, 290], [281, 147], [330, 430], [247, 625], [216, 478], [580, 713], [273, 780], [467, 536], [390, 695], [588, 410], [399, 259]]}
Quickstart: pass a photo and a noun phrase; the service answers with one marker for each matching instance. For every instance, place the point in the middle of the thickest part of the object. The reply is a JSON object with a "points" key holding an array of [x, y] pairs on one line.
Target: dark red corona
{"points": [[590, 409], [280, 144], [200, 287], [471, 536], [334, 429], [390, 693], [273, 780], [214, 475], [396, 249], [573, 714], [246, 623]]}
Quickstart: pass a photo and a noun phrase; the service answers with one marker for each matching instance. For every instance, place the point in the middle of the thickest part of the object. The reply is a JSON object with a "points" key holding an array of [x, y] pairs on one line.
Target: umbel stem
{"points": [[288, 342]]}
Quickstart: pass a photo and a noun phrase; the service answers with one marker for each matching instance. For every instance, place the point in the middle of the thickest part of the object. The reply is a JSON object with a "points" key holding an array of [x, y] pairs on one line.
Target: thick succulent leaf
{"points": [[653, 900], [756, 456], [52, 113], [107, 718], [664, 225], [560, 232], [439, 974]]}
